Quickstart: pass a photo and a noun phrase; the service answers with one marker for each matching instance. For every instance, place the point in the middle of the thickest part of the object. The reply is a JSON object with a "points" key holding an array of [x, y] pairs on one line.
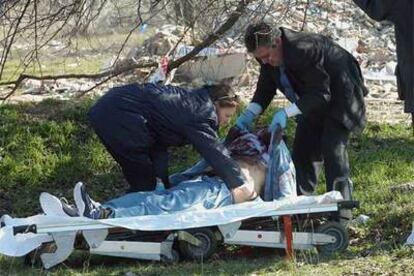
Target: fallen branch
{"points": [[109, 73]]}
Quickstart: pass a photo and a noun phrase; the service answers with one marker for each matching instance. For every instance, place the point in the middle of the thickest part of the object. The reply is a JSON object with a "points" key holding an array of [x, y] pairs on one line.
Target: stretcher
{"points": [[293, 224]]}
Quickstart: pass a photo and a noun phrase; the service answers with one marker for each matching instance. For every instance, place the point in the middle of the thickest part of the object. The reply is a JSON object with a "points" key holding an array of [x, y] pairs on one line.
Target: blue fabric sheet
{"points": [[194, 192], [201, 193]]}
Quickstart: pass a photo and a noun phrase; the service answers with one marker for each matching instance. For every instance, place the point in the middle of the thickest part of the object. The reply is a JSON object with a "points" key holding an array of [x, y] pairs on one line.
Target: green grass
{"points": [[91, 54], [56, 66], [49, 146]]}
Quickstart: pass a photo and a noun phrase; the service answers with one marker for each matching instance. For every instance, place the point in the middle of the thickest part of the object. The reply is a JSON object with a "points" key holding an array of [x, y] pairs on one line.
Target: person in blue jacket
{"points": [[138, 122]]}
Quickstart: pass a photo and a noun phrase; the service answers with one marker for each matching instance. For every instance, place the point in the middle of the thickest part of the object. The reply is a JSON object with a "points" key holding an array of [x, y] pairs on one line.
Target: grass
{"points": [[56, 66], [49, 146], [91, 54]]}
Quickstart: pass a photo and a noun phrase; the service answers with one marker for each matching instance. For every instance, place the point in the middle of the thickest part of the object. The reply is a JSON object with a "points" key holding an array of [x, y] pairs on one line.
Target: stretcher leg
{"points": [[64, 247], [287, 225]]}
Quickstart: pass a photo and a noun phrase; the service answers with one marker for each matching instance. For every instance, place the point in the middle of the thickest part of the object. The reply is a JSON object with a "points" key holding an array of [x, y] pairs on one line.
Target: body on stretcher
{"points": [[193, 235]]}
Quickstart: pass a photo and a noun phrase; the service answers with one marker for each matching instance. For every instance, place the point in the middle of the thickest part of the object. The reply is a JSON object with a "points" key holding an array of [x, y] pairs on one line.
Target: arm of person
{"points": [[206, 142], [265, 89], [307, 58], [201, 167], [243, 193], [377, 9]]}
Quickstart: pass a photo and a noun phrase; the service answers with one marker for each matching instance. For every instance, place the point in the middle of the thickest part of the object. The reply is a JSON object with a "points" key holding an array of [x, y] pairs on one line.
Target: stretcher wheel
{"points": [[208, 246], [337, 230], [33, 258], [175, 257]]}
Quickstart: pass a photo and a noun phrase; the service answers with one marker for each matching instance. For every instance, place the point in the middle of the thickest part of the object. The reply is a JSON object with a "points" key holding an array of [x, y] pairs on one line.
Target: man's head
{"points": [[225, 101], [264, 43]]}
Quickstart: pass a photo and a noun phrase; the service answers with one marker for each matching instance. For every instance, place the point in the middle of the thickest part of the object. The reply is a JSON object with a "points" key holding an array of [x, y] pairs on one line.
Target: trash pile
{"points": [[218, 64]]}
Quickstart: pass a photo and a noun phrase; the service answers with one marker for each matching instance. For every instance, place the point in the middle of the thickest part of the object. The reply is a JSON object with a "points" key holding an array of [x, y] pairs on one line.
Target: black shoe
{"points": [[345, 187], [54, 206], [86, 206], [69, 209]]}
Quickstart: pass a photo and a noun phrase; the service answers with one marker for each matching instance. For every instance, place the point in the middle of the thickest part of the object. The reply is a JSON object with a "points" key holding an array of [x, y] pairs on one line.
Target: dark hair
{"points": [[223, 94], [259, 34]]}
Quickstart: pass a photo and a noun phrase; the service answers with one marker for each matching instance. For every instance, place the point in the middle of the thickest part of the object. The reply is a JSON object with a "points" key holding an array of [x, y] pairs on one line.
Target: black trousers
{"points": [[131, 145], [316, 142]]}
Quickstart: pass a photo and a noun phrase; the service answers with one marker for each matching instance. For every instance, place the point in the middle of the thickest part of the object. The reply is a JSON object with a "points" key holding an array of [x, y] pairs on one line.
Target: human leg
{"points": [[307, 156], [334, 150], [130, 147], [205, 193]]}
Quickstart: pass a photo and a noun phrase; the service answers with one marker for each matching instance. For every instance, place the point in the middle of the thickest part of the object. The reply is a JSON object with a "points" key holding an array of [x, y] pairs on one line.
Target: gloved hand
{"points": [[280, 118], [245, 120]]}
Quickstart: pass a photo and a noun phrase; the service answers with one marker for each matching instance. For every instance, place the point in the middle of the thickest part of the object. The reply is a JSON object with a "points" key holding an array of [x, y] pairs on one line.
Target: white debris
{"points": [[57, 45], [362, 219], [390, 67], [379, 76], [350, 44], [410, 239], [31, 86], [214, 69]]}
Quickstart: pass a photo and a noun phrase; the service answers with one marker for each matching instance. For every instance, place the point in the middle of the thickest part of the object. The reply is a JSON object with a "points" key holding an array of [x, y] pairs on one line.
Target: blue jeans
{"points": [[201, 193]]}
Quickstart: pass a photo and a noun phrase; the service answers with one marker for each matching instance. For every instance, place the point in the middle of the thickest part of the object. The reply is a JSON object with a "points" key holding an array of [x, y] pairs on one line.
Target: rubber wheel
{"points": [[32, 259], [175, 257], [337, 230], [208, 246], [29, 259]]}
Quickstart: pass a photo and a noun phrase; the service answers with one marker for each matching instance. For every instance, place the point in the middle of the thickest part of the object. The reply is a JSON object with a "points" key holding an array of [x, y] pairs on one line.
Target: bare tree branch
{"points": [[110, 74], [212, 37], [7, 51], [126, 40], [305, 15], [191, 24]]}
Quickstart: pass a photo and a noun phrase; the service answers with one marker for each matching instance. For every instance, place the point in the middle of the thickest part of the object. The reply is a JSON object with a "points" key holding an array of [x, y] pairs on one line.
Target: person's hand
{"points": [[233, 134], [280, 118], [244, 193], [245, 120]]}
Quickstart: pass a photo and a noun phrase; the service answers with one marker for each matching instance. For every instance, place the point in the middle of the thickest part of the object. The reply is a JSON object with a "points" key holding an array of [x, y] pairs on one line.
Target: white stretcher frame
{"points": [[95, 233], [95, 225]]}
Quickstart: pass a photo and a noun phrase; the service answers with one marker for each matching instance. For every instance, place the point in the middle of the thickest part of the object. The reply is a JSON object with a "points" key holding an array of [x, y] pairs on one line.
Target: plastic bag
{"points": [[281, 175]]}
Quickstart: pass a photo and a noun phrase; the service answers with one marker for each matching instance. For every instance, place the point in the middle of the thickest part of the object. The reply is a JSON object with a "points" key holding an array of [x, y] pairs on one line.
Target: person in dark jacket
{"points": [[138, 122], [400, 13], [324, 84]]}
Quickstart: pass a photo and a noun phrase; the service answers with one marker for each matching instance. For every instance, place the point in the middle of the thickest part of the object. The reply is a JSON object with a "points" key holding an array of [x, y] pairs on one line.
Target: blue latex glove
{"points": [[280, 118], [245, 120]]}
